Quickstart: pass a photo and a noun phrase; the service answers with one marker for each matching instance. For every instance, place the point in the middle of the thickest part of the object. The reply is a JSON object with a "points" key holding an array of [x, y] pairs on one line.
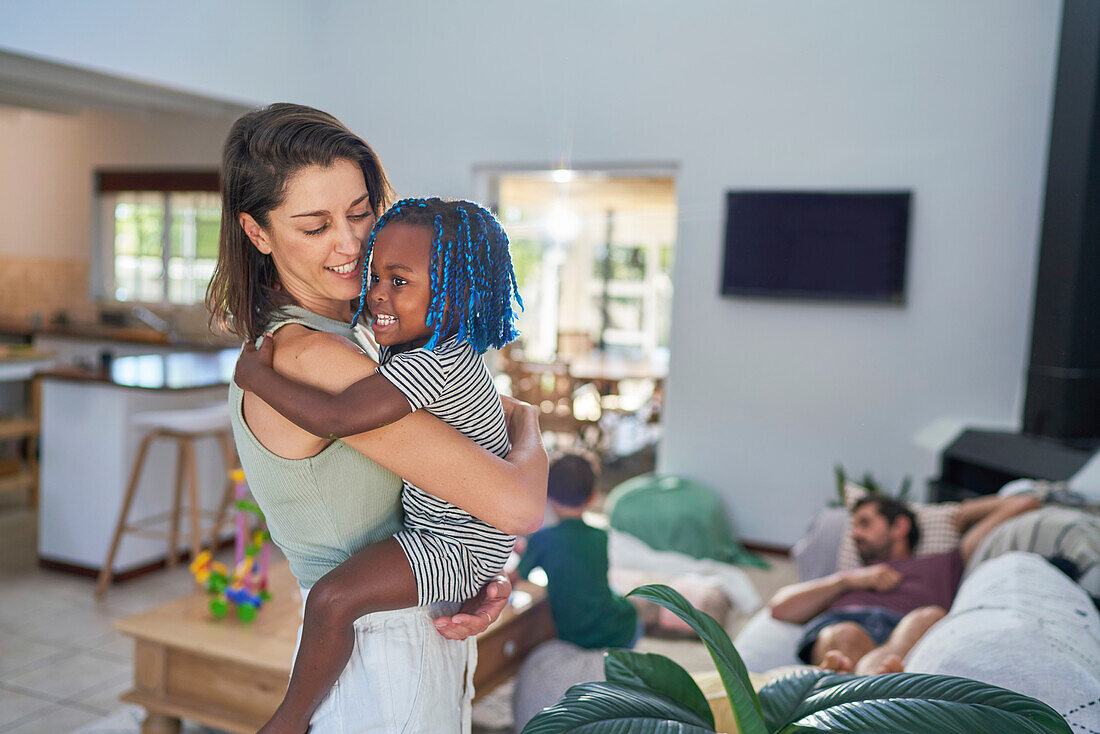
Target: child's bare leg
{"points": [[888, 657], [375, 579]]}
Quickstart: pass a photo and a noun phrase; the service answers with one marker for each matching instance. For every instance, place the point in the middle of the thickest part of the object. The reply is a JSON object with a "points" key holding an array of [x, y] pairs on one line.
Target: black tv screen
{"points": [[830, 245]]}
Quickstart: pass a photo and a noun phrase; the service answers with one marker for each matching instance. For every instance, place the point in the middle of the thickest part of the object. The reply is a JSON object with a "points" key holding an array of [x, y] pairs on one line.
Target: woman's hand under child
{"points": [[521, 417], [515, 411], [253, 361], [478, 612]]}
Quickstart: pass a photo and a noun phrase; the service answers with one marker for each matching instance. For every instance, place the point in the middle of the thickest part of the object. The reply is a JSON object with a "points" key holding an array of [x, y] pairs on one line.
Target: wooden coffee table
{"points": [[232, 676]]}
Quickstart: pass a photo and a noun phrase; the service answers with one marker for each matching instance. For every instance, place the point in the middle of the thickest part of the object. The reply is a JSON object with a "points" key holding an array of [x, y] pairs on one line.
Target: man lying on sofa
{"points": [[865, 620]]}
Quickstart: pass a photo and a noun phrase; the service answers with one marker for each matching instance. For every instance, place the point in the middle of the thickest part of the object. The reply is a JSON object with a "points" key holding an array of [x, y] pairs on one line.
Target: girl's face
{"points": [[316, 237], [401, 284]]}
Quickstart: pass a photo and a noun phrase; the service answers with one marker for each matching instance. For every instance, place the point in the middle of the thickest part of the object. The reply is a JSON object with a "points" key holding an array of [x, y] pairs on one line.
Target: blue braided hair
{"points": [[473, 282]]}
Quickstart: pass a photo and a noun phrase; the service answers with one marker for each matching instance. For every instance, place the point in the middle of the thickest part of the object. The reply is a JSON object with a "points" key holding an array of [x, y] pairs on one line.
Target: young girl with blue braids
{"points": [[439, 288]]}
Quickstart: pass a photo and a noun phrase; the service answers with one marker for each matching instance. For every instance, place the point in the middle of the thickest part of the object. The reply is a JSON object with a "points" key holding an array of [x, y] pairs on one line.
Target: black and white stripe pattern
{"points": [[1053, 532], [452, 553]]}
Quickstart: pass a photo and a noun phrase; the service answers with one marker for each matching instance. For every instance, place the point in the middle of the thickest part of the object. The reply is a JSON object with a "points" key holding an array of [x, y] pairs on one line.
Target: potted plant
{"points": [[869, 483], [650, 694]]}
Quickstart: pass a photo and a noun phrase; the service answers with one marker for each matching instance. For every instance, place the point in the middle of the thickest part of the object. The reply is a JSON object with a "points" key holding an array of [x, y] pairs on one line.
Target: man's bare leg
{"points": [[839, 646], [888, 657]]}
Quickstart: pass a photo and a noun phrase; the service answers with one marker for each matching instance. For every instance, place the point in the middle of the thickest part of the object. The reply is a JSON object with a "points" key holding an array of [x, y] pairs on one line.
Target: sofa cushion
{"points": [[938, 530], [815, 553], [1051, 532], [765, 643]]}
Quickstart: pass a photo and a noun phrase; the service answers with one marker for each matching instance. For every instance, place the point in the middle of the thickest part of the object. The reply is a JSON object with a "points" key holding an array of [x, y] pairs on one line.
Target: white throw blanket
{"points": [[627, 552]]}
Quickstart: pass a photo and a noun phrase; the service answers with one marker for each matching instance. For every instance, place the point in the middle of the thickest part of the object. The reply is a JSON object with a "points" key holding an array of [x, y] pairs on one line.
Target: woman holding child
{"points": [[300, 196]]}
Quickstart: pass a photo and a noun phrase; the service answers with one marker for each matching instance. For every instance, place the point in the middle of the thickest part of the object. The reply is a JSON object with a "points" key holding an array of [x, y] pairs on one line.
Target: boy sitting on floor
{"points": [[574, 556]]}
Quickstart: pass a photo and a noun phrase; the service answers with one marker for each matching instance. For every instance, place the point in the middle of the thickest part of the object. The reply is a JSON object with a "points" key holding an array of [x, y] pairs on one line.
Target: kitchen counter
{"points": [[22, 328], [89, 442], [20, 362], [174, 371]]}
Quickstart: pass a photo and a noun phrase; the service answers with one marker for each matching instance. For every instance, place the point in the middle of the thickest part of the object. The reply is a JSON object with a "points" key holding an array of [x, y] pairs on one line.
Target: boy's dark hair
{"points": [[571, 481], [891, 509], [473, 283], [263, 150]]}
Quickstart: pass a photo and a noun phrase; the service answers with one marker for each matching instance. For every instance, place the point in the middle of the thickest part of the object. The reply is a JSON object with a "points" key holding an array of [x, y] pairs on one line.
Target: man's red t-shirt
{"points": [[925, 581]]}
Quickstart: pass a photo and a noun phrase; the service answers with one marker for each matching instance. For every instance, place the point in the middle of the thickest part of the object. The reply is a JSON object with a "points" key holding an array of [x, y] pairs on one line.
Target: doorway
{"points": [[593, 252]]}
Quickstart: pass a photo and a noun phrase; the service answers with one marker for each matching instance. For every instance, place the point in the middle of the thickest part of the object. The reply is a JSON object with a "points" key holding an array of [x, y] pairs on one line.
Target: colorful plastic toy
{"points": [[246, 588]]}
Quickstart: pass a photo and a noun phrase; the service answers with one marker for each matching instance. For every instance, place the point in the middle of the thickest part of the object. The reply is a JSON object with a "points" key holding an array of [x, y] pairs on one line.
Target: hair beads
{"points": [[473, 282]]}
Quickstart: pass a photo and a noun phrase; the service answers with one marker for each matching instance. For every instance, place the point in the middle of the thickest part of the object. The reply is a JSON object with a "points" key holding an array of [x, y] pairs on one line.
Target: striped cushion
{"points": [[938, 531], [1051, 532]]}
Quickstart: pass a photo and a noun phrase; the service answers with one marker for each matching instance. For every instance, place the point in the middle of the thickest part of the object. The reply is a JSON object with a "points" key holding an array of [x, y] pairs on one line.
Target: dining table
{"points": [[606, 370]]}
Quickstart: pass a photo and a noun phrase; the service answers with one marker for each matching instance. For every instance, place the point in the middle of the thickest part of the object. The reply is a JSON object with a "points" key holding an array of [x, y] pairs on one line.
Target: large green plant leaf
{"points": [[780, 698], [913, 702], [734, 674], [659, 674], [614, 708], [918, 716]]}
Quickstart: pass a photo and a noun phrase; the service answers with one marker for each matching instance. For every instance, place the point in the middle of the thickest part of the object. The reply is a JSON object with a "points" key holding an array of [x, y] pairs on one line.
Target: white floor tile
{"points": [[57, 720], [69, 677], [105, 698], [49, 587], [17, 652], [19, 609], [17, 706], [128, 720], [113, 645], [66, 624]]}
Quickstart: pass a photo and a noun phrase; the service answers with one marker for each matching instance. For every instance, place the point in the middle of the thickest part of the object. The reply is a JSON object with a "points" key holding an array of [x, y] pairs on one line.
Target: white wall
{"points": [[948, 98], [49, 161]]}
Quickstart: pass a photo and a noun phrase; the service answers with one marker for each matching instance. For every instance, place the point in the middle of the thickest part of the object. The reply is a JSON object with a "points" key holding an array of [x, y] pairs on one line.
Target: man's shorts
{"points": [[878, 622]]}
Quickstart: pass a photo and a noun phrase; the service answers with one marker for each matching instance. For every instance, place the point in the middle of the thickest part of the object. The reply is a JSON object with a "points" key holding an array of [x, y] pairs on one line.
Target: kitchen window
{"points": [[159, 233]]}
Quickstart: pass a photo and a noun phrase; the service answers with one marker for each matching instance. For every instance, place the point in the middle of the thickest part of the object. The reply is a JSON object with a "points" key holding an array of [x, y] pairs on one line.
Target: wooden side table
{"points": [[232, 676]]}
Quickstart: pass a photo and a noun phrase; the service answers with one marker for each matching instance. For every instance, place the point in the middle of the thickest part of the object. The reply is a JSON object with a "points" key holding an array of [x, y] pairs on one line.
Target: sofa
{"points": [[1017, 620]]}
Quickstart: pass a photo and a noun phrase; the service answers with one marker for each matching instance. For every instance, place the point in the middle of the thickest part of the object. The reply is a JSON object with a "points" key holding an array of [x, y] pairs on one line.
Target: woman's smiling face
{"points": [[316, 237], [401, 284]]}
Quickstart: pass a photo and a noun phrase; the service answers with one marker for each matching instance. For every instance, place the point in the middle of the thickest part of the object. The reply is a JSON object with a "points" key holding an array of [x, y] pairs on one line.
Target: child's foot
{"points": [[836, 661]]}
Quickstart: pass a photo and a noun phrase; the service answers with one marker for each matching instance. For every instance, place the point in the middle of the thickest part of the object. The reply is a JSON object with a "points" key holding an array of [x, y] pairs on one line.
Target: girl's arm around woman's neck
{"points": [[509, 494]]}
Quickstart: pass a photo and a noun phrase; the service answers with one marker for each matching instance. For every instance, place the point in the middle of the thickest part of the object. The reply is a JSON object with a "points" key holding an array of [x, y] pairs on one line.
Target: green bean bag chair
{"points": [[676, 514]]}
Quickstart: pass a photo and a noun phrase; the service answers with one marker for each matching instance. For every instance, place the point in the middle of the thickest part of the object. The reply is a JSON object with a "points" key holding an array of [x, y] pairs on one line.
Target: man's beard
{"points": [[872, 554]]}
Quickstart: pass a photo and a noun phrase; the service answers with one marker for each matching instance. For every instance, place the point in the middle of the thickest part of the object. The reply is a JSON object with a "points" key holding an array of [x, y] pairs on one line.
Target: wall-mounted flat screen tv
{"points": [[825, 245]]}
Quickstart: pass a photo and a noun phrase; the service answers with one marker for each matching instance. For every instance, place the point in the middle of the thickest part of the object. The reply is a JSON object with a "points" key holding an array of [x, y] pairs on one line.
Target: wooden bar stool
{"points": [[184, 427]]}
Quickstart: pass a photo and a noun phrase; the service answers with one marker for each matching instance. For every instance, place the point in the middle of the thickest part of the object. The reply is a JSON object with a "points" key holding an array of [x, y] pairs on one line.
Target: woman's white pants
{"points": [[403, 678]]}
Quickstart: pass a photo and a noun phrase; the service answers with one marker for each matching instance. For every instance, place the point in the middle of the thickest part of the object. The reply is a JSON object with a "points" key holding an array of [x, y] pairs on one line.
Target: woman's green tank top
{"points": [[322, 509]]}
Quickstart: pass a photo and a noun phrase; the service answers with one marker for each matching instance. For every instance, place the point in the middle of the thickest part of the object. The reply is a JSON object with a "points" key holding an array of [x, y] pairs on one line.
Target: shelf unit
{"points": [[20, 365]]}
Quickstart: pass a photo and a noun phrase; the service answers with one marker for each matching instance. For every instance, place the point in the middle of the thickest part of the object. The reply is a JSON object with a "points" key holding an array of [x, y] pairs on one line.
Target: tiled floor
{"points": [[62, 667]]}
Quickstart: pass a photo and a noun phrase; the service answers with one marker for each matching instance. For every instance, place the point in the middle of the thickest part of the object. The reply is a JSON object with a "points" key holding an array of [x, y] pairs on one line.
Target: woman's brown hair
{"points": [[265, 148]]}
